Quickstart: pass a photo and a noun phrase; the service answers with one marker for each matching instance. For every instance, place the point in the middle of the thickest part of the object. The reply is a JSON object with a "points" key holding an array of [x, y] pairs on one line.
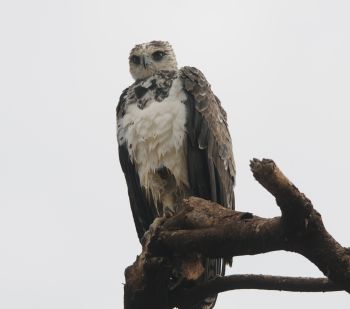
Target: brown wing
{"points": [[210, 146]]}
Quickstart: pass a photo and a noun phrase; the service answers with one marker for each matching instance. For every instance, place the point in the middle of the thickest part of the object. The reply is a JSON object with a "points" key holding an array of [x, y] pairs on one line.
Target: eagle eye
{"points": [[158, 55], [135, 59]]}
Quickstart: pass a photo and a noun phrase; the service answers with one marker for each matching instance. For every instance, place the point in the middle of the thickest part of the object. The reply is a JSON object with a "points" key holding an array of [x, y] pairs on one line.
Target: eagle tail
{"points": [[213, 269]]}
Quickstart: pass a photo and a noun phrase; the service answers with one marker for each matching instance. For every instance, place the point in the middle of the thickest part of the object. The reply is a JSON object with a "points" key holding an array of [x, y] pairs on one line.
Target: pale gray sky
{"points": [[281, 70]]}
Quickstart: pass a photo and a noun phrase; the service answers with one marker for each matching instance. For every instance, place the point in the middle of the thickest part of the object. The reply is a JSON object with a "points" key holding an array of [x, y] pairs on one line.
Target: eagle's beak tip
{"points": [[145, 62]]}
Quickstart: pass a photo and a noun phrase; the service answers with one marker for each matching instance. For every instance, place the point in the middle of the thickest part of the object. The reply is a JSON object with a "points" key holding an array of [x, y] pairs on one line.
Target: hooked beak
{"points": [[145, 61]]}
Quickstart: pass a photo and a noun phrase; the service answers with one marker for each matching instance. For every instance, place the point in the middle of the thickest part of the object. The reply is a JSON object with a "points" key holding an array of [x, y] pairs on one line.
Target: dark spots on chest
{"points": [[140, 91], [157, 88], [163, 172], [153, 84], [161, 94]]}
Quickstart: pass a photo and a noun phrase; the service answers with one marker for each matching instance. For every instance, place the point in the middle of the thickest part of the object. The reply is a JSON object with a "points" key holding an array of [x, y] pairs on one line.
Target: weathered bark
{"points": [[187, 298], [206, 228]]}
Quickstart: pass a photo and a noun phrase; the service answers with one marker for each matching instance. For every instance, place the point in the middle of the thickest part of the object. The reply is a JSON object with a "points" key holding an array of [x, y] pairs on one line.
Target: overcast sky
{"points": [[281, 70]]}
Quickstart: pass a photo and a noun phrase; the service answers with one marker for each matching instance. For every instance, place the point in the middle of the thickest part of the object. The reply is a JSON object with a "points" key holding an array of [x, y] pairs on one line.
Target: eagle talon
{"points": [[157, 223]]}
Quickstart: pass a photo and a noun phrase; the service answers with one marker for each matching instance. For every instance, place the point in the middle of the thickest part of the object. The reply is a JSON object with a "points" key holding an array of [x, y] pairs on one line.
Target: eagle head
{"points": [[149, 58]]}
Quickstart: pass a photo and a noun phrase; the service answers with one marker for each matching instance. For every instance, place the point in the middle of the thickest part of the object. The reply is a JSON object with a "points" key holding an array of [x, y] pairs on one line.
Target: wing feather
{"points": [[209, 138]]}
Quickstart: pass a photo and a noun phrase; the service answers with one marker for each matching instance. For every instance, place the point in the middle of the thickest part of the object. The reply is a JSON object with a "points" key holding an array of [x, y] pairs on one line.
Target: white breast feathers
{"points": [[155, 137]]}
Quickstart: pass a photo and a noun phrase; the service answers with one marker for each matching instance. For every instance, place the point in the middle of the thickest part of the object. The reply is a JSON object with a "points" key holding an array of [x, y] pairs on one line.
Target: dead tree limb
{"points": [[205, 228], [187, 298]]}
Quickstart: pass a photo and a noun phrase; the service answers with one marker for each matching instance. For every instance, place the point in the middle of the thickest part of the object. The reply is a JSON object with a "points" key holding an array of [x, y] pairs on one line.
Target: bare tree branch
{"points": [[304, 225], [185, 298], [206, 228]]}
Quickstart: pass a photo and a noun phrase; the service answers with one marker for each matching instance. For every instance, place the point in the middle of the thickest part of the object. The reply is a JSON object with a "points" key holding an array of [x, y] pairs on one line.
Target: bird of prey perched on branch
{"points": [[173, 141]]}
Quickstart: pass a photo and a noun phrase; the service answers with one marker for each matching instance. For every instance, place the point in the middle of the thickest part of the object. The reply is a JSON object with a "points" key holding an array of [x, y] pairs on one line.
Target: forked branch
{"points": [[206, 228]]}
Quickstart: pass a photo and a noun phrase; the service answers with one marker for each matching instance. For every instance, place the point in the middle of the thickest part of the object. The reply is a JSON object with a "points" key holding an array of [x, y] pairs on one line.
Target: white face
{"points": [[148, 58]]}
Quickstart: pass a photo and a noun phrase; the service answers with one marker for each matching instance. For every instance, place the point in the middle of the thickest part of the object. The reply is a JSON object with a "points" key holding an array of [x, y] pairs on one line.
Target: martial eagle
{"points": [[173, 141]]}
